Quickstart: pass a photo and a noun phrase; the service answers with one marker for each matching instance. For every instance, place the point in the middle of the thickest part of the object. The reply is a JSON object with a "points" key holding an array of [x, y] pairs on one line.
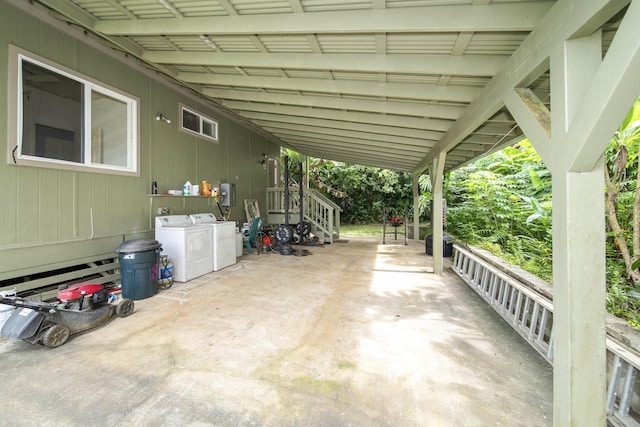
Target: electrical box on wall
{"points": [[228, 194]]}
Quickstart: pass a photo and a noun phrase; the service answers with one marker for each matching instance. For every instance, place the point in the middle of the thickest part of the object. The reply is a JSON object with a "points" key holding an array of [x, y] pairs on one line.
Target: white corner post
{"points": [[436, 174], [590, 98], [579, 347], [415, 185]]}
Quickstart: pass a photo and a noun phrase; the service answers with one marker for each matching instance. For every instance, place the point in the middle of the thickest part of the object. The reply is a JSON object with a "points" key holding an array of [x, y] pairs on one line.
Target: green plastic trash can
{"points": [[139, 270]]}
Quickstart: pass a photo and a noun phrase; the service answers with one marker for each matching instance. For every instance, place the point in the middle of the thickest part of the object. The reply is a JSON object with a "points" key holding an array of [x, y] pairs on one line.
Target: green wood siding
{"points": [[44, 210]]}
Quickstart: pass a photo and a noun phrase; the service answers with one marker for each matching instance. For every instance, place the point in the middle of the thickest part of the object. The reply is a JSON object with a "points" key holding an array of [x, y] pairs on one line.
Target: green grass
{"points": [[372, 230], [361, 230]]}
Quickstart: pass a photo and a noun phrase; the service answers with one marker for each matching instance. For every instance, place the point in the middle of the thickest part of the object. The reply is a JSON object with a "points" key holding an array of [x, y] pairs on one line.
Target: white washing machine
{"points": [[187, 245], [223, 237]]}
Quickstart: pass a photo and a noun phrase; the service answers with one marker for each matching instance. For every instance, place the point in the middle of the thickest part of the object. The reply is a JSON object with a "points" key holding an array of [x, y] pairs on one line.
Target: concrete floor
{"points": [[355, 334]]}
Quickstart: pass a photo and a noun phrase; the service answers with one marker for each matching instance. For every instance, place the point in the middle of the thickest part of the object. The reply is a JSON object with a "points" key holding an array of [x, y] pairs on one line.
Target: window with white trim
{"points": [[194, 122], [69, 121]]}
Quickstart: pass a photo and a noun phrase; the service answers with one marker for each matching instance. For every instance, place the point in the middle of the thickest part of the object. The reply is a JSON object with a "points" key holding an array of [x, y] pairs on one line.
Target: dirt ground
{"points": [[354, 334]]}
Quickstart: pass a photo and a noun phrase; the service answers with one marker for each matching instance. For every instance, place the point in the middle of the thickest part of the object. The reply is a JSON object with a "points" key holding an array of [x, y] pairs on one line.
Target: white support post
{"points": [[437, 176], [579, 366], [579, 374], [589, 98], [416, 206]]}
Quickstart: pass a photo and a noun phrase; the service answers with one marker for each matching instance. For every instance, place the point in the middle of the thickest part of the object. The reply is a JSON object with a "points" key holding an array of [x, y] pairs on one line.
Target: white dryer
{"points": [[187, 245], [223, 238]]}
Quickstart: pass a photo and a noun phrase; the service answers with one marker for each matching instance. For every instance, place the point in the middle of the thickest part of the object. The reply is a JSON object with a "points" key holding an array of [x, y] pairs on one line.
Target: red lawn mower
{"points": [[78, 308]]}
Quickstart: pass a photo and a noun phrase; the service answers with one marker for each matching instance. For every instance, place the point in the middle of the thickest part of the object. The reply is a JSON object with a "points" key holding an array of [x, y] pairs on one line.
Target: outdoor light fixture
{"points": [[264, 161], [162, 117]]}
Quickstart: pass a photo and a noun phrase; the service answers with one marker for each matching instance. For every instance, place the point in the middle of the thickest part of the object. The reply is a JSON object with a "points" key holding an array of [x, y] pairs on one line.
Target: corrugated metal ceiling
{"points": [[374, 82]]}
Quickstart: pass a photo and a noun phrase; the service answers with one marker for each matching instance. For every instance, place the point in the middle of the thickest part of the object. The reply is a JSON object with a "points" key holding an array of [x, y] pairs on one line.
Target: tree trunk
{"points": [[636, 221], [610, 207]]}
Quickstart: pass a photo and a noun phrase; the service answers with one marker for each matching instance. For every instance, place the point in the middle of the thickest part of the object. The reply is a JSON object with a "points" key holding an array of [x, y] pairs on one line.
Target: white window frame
{"points": [[202, 119], [15, 116]]}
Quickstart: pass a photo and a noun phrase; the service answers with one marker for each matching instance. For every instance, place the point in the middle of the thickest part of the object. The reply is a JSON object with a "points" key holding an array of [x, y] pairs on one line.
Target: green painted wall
{"points": [[90, 212]]}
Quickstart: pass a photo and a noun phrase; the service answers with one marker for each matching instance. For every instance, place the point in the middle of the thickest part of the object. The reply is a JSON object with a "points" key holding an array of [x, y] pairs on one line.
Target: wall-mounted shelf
{"points": [[183, 197]]}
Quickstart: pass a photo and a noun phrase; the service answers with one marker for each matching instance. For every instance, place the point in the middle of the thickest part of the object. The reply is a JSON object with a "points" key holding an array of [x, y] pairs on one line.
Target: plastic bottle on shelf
{"points": [[186, 188], [154, 187]]}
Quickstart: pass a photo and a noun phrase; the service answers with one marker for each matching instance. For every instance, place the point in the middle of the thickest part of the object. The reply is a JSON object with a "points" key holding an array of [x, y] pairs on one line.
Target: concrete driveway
{"points": [[354, 334]]}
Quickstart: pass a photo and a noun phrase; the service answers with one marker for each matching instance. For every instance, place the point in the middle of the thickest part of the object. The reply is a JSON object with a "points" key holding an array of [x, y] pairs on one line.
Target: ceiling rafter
{"points": [[347, 145], [346, 125], [405, 142], [400, 90], [226, 5], [416, 110], [296, 6], [352, 155], [461, 43], [258, 43], [116, 5], [351, 147], [377, 162], [436, 119], [450, 18], [470, 65]]}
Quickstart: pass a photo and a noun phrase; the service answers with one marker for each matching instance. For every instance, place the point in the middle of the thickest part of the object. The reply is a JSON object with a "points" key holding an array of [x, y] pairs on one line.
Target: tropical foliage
{"points": [[622, 204], [360, 191], [502, 203]]}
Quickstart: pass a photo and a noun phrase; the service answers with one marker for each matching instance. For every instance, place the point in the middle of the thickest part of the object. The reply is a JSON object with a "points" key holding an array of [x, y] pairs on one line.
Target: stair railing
{"points": [[318, 210]]}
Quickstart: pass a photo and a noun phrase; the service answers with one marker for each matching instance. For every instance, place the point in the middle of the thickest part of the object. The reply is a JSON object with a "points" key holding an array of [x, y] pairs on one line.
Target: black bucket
{"points": [[447, 245]]}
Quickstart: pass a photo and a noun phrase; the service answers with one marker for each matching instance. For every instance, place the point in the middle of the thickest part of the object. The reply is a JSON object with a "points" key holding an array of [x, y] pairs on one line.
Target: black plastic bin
{"points": [[139, 270], [447, 245]]}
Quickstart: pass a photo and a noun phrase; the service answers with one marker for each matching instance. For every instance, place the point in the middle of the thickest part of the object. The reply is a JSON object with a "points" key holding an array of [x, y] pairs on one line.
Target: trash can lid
{"points": [[138, 245]]}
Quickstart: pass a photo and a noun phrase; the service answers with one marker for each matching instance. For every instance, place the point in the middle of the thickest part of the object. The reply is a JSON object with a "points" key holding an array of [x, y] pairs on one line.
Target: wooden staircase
{"points": [[318, 210]]}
